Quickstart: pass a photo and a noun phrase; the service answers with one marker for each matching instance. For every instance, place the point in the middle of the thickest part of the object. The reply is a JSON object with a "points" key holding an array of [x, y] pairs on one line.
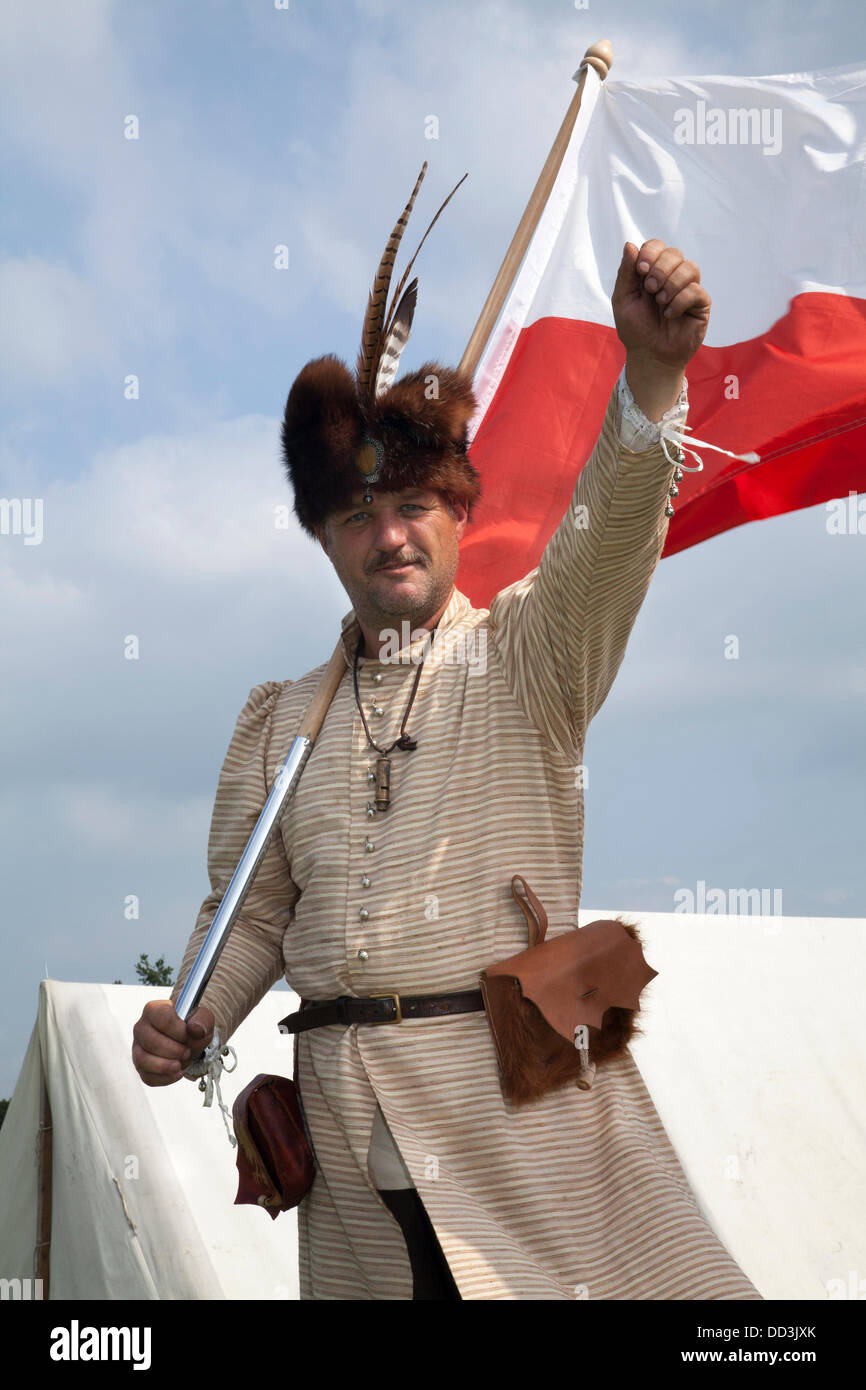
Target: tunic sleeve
{"points": [[561, 631], [252, 960]]}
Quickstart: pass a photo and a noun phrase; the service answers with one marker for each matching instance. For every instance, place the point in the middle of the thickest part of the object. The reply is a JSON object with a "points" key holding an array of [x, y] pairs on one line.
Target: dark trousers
{"points": [[431, 1277]]}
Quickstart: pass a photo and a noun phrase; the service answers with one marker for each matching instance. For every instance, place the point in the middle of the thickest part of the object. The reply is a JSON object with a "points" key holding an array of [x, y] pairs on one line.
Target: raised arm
{"points": [[562, 630]]}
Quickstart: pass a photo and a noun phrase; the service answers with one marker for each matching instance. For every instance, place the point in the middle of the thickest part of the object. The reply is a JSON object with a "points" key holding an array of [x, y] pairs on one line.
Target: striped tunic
{"points": [[580, 1193]]}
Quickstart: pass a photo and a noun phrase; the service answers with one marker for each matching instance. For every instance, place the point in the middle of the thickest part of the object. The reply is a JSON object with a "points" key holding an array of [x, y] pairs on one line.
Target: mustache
{"points": [[395, 563]]}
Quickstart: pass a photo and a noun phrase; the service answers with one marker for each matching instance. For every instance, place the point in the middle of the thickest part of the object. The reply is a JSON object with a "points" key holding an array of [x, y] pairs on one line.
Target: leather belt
{"points": [[379, 1008]]}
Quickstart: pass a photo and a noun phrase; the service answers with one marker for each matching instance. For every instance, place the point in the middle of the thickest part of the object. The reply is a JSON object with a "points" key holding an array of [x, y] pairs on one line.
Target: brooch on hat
{"points": [[370, 457]]}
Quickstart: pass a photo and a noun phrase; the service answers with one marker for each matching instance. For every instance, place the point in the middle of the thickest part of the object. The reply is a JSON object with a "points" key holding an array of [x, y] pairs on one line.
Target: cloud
{"points": [[191, 211], [57, 326], [166, 508], [188, 545]]}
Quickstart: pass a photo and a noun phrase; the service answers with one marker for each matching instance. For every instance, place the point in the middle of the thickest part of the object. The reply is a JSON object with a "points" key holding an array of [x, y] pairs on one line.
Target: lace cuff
{"points": [[638, 433]]}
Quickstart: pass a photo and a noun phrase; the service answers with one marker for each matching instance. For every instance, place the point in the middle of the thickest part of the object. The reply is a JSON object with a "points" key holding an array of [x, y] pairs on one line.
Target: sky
{"points": [[153, 258]]}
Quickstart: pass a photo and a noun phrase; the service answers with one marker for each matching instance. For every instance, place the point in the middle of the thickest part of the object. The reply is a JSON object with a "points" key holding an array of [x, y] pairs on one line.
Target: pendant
{"points": [[383, 783]]}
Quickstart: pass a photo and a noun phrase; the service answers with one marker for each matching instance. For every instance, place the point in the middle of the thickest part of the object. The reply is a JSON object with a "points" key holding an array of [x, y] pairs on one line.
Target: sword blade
{"points": [[233, 899]]}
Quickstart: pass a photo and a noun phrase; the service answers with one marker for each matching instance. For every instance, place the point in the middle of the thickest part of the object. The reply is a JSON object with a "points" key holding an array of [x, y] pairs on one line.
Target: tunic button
{"points": [[368, 845], [365, 882], [377, 677], [371, 776], [371, 810], [363, 955], [363, 914], [377, 709]]}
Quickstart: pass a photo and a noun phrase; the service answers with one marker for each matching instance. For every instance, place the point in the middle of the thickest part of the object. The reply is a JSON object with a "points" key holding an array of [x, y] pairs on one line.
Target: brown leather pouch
{"points": [[275, 1163], [563, 1007]]}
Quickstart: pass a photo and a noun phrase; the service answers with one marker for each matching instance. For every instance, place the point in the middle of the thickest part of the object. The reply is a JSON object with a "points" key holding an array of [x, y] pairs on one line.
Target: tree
{"points": [[157, 974]]}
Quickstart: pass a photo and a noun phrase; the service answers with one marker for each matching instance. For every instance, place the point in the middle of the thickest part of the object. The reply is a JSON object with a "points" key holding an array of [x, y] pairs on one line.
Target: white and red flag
{"points": [[762, 182]]}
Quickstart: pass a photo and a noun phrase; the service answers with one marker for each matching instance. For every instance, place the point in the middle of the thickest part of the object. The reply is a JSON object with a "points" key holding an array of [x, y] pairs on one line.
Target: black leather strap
{"points": [[385, 1008]]}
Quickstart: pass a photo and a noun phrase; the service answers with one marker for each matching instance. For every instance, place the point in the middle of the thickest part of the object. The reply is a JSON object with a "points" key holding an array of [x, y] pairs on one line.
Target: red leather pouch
{"points": [[276, 1166]]}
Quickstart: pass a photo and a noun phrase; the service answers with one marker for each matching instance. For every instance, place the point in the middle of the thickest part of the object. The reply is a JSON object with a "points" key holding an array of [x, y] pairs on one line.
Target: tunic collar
{"points": [[455, 611]]}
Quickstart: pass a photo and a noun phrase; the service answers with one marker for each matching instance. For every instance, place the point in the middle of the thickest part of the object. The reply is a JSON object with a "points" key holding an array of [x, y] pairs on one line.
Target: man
{"points": [[468, 729]]}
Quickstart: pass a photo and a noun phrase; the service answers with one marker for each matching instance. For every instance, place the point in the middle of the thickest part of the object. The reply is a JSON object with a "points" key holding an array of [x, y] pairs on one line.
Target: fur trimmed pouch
{"points": [[562, 1007]]}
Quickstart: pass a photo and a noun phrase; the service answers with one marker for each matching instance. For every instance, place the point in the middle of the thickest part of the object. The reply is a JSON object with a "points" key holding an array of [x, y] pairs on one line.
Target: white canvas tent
{"points": [[753, 1052], [143, 1179]]}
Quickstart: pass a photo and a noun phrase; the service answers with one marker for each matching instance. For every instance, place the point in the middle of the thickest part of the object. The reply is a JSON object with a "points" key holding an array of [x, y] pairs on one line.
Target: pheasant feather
{"points": [[398, 337], [371, 334], [398, 291]]}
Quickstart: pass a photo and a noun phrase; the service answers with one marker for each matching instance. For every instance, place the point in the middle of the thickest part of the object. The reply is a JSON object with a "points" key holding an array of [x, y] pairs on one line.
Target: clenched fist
{"points": [[660, 308], [163, 1045]]}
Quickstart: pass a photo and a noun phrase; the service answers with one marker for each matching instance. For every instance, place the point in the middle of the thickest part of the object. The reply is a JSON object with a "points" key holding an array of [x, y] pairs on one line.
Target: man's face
{"points": [[397, 555]]}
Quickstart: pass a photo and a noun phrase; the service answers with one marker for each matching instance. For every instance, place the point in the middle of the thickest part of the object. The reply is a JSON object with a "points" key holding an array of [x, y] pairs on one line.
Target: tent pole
{"points": [[599, 56], [42, 1260]]}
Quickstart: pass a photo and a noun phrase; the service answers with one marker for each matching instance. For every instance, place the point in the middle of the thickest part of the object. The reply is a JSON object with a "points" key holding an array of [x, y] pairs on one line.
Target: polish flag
{"points": [[762, 182]]}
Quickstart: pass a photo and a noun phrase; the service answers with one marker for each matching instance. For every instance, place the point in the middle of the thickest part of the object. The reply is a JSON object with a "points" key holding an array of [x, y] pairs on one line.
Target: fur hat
{"points": [[342, 432]]}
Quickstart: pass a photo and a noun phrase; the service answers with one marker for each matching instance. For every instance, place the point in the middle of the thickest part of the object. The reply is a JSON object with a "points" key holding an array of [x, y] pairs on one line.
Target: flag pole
{"points": [[599, 56]]}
